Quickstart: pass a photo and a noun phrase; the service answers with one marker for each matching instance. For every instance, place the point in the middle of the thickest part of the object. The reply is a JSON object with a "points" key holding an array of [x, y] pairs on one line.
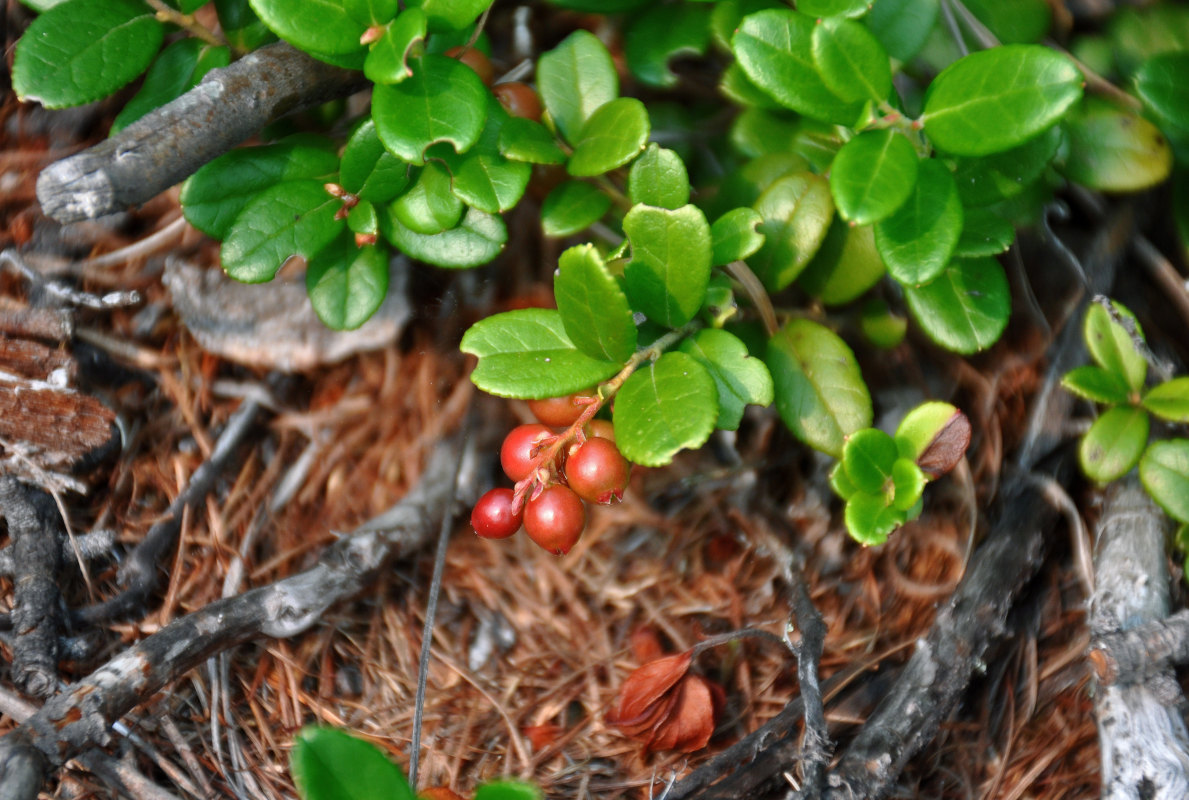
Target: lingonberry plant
{"points": [[864, 147]]}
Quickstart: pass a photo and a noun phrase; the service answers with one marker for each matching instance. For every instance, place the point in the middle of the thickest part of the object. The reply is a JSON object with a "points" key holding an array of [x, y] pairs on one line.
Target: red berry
{"points": [[600, 428], [493, 517], [597, 471], [560, 412], [519, 100], [555, 519], [519, 451], [476, 60]]}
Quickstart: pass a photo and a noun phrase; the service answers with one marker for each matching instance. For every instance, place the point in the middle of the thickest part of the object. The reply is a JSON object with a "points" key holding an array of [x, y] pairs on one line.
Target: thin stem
{"points": [[744, 633], [611, 190], [187, 22]]}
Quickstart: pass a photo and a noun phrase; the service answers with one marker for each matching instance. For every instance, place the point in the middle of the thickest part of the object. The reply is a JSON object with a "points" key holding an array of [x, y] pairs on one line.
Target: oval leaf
{"points": [[870, 519], [902, 26], [295, 218], [917, 241], [451, 15], [1115, 151], [1170, 401], [984, 233], [1096, 384], [1114, 443], [316, 26], [965, 308], [997, 99], [387, 60], [346, 283], [670, 266], [908, 481], [572, 206], [593, 308], [734, 236], [873, 175], [868, 457], [429, 206], [987, 180], [478, 238], [442, 101], [658, 178], [851, 61], [527, 354], [1164, 470], [1111, 345], [1162, 82], [524, 140], [797, 210], [739, 378], [662, 33], [819, 390], [328, 764], [846, 265], [575, 79], [614, 135], [664, 408], [368, 170], [832, 8], [934, 436]]}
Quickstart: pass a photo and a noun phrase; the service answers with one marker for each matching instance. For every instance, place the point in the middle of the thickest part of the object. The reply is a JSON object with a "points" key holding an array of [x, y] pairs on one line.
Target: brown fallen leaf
{"points": [[665, 707], [541, 736]]}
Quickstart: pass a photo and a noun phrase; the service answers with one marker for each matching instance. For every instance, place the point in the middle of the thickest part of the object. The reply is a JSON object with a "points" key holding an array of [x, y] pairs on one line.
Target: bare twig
{"points": [[1137, 654]]}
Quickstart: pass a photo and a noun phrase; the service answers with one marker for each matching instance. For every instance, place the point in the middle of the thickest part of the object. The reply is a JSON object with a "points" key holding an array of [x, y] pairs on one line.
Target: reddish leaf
{"points": [[541, 736], [646, 686], [947, 447], [439, 793], [666, 708], [645, 644]]}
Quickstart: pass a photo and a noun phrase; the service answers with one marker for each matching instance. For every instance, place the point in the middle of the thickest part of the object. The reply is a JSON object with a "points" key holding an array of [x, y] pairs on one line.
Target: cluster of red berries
{"points": [[554, 474]]}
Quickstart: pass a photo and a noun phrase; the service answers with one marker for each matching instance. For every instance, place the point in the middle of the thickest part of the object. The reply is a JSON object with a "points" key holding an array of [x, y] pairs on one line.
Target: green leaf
{"points": [[368, 170], [1114, 443], [873, 175], [484, 179], [965, 308], [508, 790], [387, 60], [867, 457], [987, 180], [820, 392], [1169, 401], [1162, 82], [346, 283], [726, 14], [527, 354], [908, 481], [918, 240], [1111, 150], [1096, 384], [363, 219], [429, 206], [294, 218], [215, 195], [572, 206], [662, 33], [663, 408], [841, 484], [243, 29], [83, 50], [180, 67], [734, 237], [883, 328], [869, 519], [775, 49], [1111, 345], [1164, 471], [739, 378], [524, 140], [757, 132], [328, 764], [451, 15], [994, 100], [934, 436], [670, 266], [846, 265], [984, 233], [902, 26], [1013, 21], [658, 178], [851, 61], [1137, 35], [797, 210], [575, 79], [371, 12], [738, 88], [443, 101], [593, 307], [614, 135], [316, 26], [833, 8], [478, 239]]}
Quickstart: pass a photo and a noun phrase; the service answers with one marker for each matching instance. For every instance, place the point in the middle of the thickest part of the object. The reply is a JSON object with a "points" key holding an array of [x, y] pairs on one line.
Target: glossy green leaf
{"points": [[527, 354], [368, 170], [178, 68], [867, 457], [443, 101], [294, 218], [841, 484], [508, 790], [661, 34], [524, 140], [328, 764], [734, 236], [917, 241], [738, 88], [451, 15], [614, 135], [870, 520], [387, 60], [316, 26], [1013, 21], [851, 61], [663, 408], [1164, 471], [83, 50], [873, 175], [994, 100], [593, 307], [846, 266], [1114, 443], [429, 206], [726, 15], [965, 308], [1139, 34], [1162, 82], [934, 436], [720, 304], [572, 206], [775, 49], [481, 177], [833, 8], [1096, 384], [242, 28], [1112, 150], [215, 195], [819, 390], [372, 12], [882, 327], [757, 132], [575, 79], [797, 210], [364, 219], [1111, 345], [346, 283], [670, 266], [740, 378], [743, 186], [908, 481], [902, 26], [987, 180], [658, 178], [476, 240], [984, 233], [1169, 400]]}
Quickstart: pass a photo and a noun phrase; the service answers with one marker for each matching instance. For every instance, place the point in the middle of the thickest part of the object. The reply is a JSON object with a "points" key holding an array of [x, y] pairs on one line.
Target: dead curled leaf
{"points": [[665, 707]]}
